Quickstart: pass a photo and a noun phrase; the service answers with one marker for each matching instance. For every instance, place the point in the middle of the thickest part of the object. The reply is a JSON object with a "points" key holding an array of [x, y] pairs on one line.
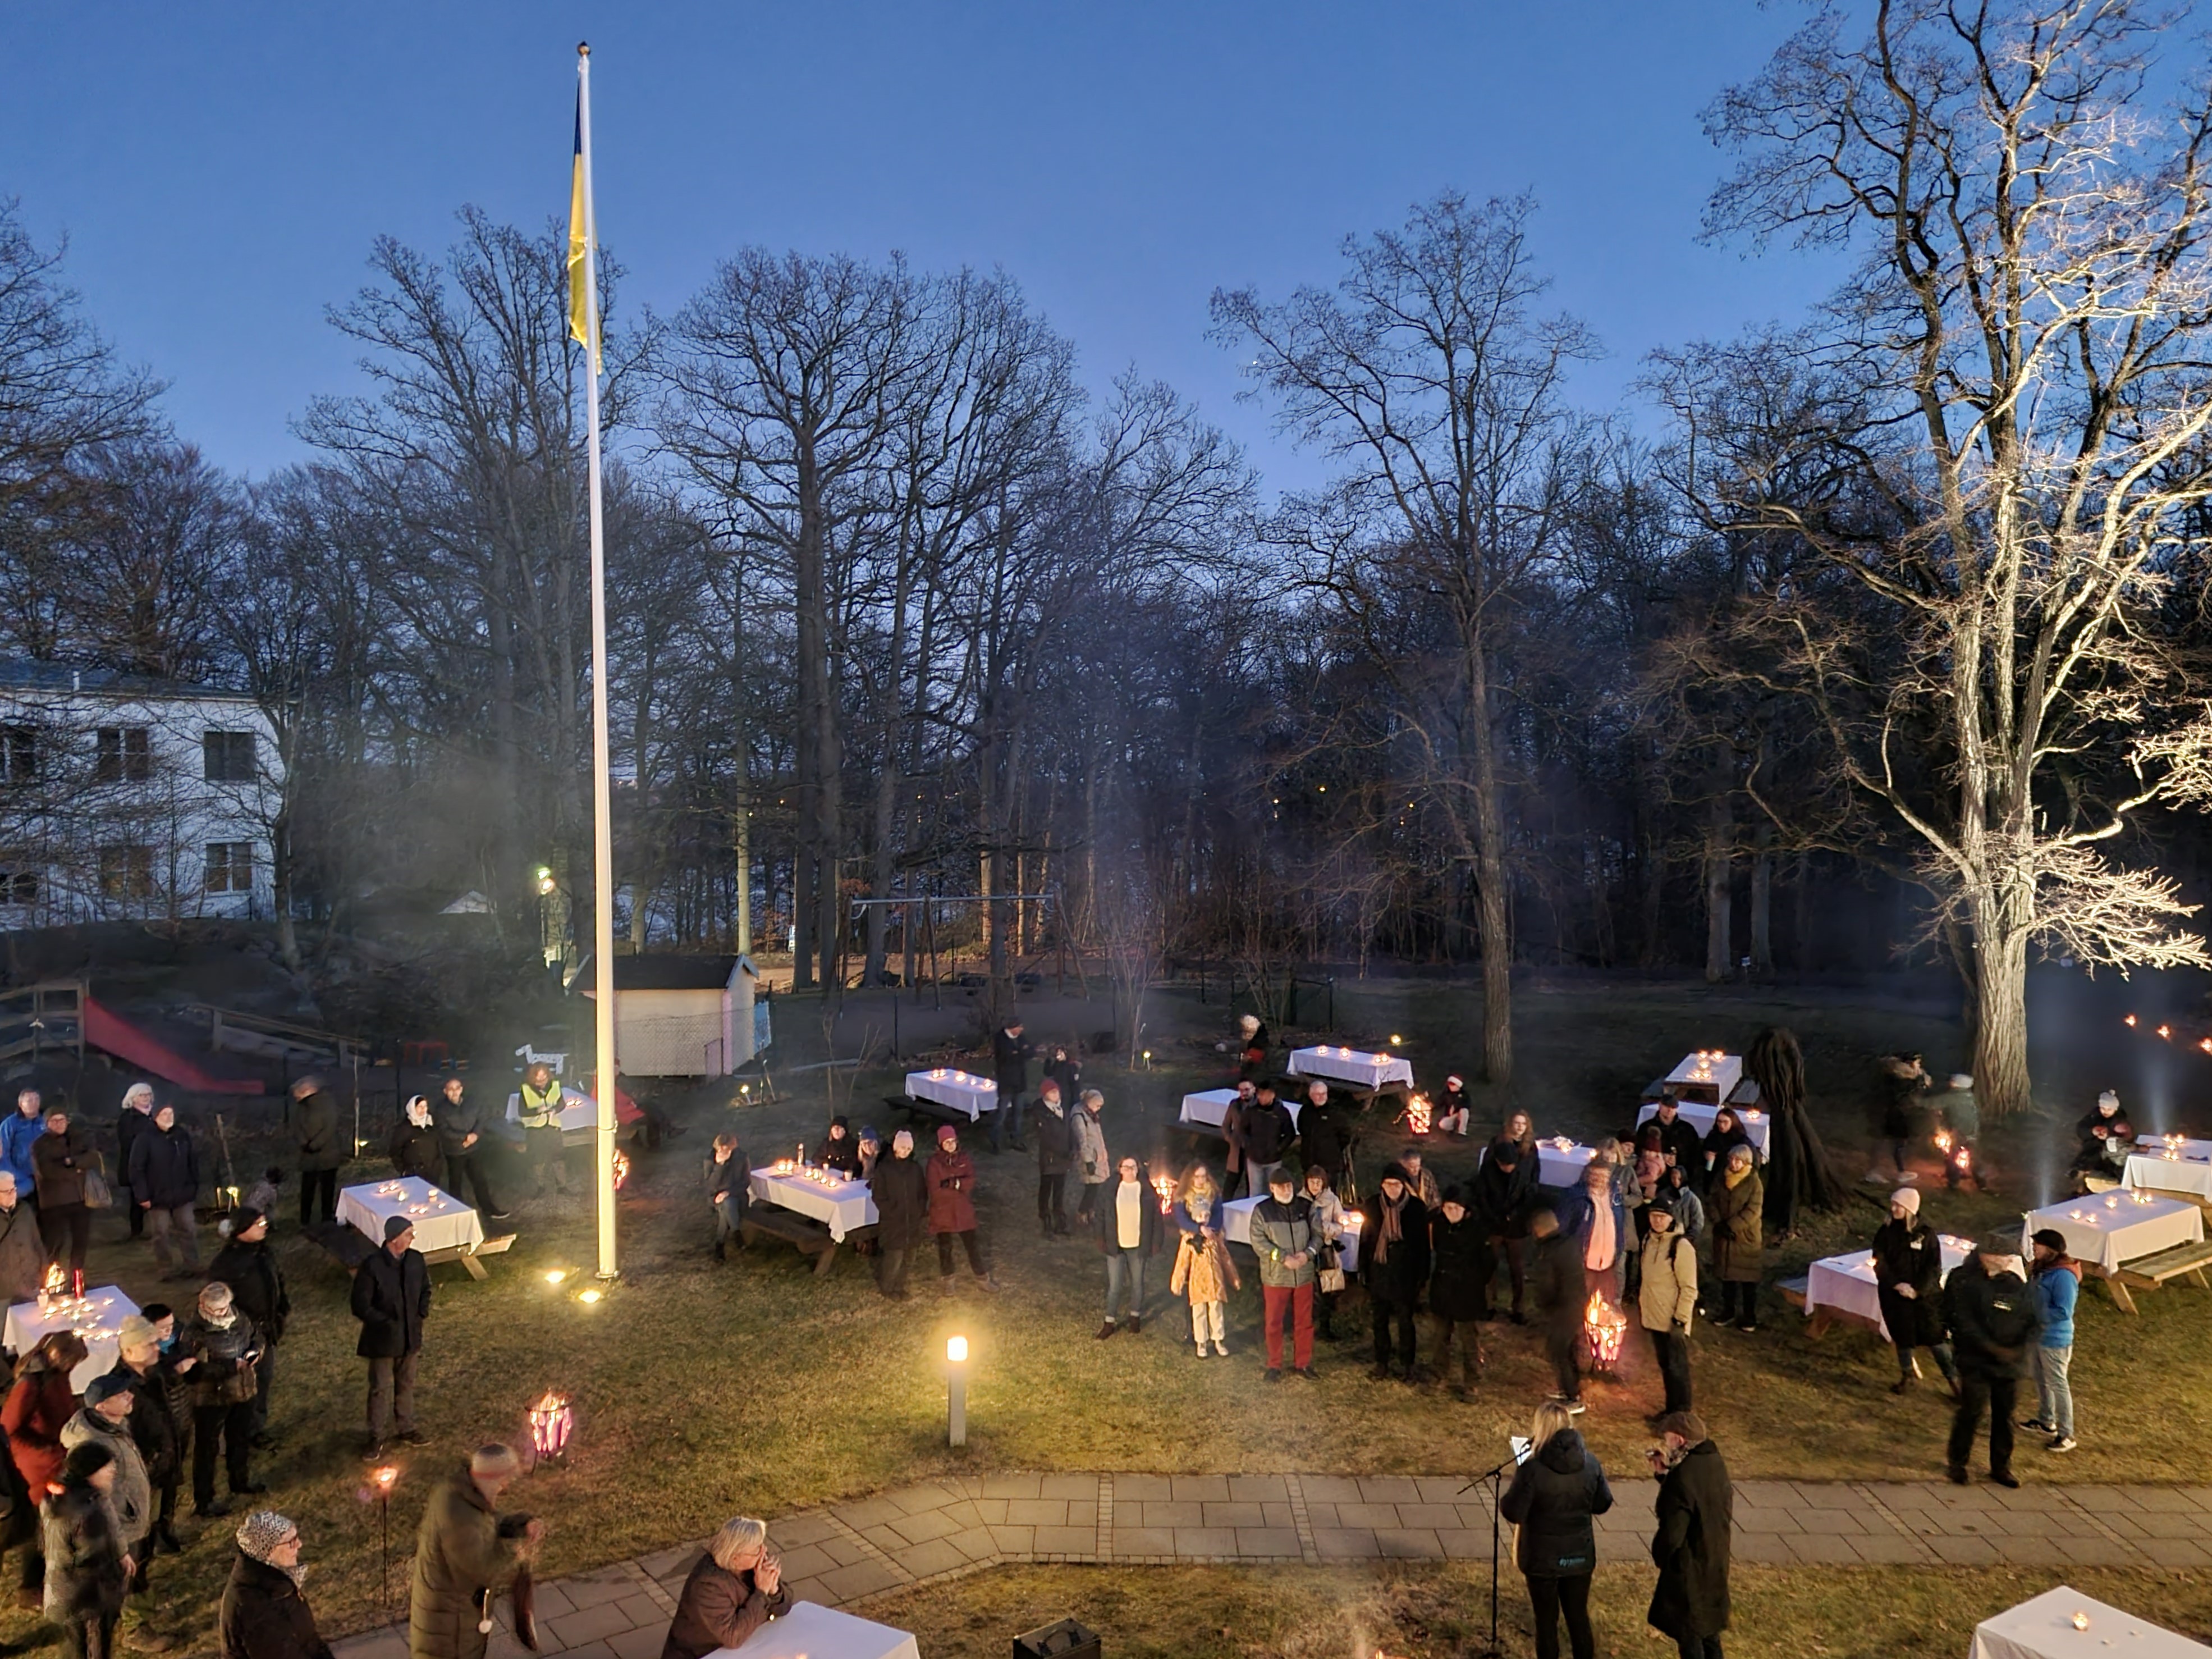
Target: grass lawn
{"points": [[705, 1390], [1442, 1612]]}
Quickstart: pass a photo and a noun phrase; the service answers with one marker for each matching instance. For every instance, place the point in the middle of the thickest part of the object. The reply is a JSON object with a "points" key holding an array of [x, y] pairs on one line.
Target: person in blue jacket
{"points": [[16, 1135], [2058, 1278]]}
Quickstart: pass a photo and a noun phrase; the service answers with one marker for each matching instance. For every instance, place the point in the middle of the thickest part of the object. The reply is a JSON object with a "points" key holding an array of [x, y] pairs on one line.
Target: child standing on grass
{"points": [[1202, 1267]]}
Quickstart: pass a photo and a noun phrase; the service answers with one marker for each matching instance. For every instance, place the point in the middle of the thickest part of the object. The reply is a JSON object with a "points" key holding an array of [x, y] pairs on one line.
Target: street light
{"points": [[956, 1391]]}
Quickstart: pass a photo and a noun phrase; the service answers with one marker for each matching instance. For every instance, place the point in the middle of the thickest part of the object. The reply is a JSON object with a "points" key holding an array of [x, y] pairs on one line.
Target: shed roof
{"points": [[667, 971]]}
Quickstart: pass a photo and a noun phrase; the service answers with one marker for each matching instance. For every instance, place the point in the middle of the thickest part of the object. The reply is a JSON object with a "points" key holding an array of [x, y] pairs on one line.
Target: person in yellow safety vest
{"points": [[540, 1111]]}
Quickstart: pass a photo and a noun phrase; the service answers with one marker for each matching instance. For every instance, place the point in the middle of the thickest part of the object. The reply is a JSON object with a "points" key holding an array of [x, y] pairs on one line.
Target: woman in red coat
{"points": [[951, 1177], [39, 1404]]}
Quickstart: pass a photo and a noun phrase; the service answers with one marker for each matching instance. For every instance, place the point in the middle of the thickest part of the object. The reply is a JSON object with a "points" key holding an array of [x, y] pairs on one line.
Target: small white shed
{"points": [[682, 1016]]}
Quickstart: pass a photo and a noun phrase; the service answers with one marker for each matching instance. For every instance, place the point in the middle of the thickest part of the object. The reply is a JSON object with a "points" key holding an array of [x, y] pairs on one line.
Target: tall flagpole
{"points": [[602, 852]]}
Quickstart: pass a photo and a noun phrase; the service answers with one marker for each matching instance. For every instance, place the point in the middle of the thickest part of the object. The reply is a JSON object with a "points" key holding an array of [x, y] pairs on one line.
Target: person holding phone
{"points": [[1556, 1492], [225, 1348]]}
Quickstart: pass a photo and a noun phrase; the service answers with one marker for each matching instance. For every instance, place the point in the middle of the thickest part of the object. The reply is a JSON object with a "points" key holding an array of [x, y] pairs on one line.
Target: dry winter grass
{"points": [[705, 1389]]}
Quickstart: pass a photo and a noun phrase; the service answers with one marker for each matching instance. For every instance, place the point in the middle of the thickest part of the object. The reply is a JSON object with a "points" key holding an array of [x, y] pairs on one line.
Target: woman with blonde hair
{"points": [[737, 1588], [1556, 1492], [1202, 1268]]}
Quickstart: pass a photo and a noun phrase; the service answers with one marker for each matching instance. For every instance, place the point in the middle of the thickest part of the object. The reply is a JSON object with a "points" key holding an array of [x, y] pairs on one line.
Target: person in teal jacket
{"points": [[2058, 1278]]}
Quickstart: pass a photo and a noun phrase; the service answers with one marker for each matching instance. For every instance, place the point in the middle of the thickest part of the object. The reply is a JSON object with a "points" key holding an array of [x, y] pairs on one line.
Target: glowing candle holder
{"points": [[1604, 1327], [1164, 1186], [1419, 1114], [552, 1420]]}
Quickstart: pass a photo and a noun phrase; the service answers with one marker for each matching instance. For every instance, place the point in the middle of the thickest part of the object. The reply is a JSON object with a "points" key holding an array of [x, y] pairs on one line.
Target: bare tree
{"points": [[2027, 321]]}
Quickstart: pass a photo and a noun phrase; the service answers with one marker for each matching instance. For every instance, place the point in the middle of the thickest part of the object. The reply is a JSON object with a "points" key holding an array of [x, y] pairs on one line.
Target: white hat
{"points": [[2111, 1098], [1961, 1080]]}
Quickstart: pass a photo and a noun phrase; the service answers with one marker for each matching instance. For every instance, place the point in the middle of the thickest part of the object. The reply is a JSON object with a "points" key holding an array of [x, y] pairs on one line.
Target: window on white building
{"points": [[19, 884], [126, 871], [123, 754], [229, 866], [19, 754], [229, 756]]}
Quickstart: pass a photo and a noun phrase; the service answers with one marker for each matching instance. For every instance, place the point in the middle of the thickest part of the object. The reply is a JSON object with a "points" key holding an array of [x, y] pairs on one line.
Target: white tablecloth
{"points": [[1847, 1283], [840, 1208], [1352, 1065], [962, 1091], [2188, 1170], [2044, 1629], [578, 1109], [1556, 1165], [1756, 1123], [1719, 1072], [98, 1319], [2107, 1228], [1237, 1228], [441, 1221], [1206, 1109], [811, 1630]]}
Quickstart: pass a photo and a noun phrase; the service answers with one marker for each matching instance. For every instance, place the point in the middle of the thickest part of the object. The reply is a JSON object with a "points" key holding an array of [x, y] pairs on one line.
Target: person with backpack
{"points": [[1667, 1300], [1994, 1329], [1558, 1490]]}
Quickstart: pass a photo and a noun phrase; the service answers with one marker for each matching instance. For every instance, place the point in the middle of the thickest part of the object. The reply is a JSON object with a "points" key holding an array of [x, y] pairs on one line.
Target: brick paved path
{"points": [[942, 1528]]}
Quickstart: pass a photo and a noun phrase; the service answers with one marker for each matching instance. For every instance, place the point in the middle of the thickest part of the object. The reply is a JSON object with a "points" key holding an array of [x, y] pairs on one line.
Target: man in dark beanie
{"points": [[248, 1265], [323, 1150], [901, 1190], [1994, 1327], [1695, 1515], [391, 1298]]}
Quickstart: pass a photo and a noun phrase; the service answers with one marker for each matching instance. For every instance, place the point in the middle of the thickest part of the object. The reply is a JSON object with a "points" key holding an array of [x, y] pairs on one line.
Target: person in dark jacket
{"points": [[414, 1148], [249, 1266], [1504, 1198], [735, 1588], [1908, 1276], [323, 1150], [1393, 1238], [61, 1157], [2105, 1136], [1901, 1080], [1064, 1066], [154, 1423], [391, 1298], [1010, 1070], [264, 1615], [952, 1176], [841, 1151], [1268, 1132], [1252, 1041], [1557, 1283], [164, 1177], [224, 1348], [88, 1569], [1321, 1132], [1695, 1511], [1126, 1221], [461, 1137], [133, 1119], [1680, 1144], [1454, 1110], [901, 1189], [1556, 1492], [22, 1252], [729, 1189], [1993, 1331], [1055, 1153], [1458, 1286]]}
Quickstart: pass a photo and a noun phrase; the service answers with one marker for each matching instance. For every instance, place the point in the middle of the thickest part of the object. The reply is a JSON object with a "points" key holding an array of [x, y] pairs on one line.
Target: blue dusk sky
{"points": [[220, 171]]}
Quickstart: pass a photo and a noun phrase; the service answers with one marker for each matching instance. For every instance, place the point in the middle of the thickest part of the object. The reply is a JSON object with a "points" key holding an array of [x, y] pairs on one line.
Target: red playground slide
{"points": [[112, 1033]]}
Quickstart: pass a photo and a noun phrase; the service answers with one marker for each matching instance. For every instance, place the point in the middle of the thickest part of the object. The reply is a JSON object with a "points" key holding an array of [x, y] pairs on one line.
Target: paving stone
{"points": [[1258, 1488], [845, 1549], [1389, 1489], [1067, 1540], [927, 1560], [1765, 1520], [1198, 1488], [1820, 1547], [1428, 1516], [2028, 1550], [1014, 1540], [1205, 1541], [1141, 1489], [1321, 1514], [1762, 1549], [1071, 1485], [1277, 1515], [920, 1528], [1478, 1515], [2175, 1553], [1440, 1489], [868, 1512], [642, 1610], [812, 1590], [592, 1592], [1226, 1513], [976, 1544], [377, 1644], [1370, 1514], [589, 1650], [643, 1642], [1144, 1541], [1168, 1513], [809, 1526], [916, 1500], [1267, 1541], [2166, 1523], [1472, 1544], [1036, 1512], [861, 1578], [1408, 1543], [1013, 1486], [663, 1565], [1964, 1551], [1888, 1548], [588, 1625], [1346, 1543], [989, 1511], [1330, 1489], [553, 1601], [1830, 1522]]}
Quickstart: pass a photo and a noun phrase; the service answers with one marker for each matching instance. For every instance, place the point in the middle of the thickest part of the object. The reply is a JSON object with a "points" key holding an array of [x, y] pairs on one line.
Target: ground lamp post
{"points": [[956, 1391], [381, 1482]]}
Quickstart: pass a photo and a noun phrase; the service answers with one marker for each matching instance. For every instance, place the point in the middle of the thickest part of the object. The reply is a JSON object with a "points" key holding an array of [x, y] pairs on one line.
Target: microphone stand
{"points": [[1495, 1478]]}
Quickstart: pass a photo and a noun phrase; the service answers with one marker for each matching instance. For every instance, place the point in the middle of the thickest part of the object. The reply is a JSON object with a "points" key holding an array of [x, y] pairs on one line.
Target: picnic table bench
{"points": [[810, 1236], [351, 1247], [2148, 1273], [914, 1106]]}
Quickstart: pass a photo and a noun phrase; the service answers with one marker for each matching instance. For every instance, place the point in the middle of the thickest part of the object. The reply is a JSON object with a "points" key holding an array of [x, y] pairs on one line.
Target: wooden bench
{"points": [[810, 1236], [351, 1247], [470, 1257], [914, 1106], [2148, 1273]]}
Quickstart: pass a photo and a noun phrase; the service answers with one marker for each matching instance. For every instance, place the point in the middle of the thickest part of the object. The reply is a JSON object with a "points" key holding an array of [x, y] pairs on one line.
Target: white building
{"points": [[684, 1016], [124, 796]]}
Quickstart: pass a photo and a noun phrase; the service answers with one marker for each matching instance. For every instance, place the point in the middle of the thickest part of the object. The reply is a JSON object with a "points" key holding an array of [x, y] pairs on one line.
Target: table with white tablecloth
{"points": [[2106, 1231], [1756, 1125], [811, 1630], [1357, 1066], [1237, 1228], [962, 1091], [2043, 1628], [97, 1316], [839, 1204], [1207, 1108], [441, 1222], [578, 1109], [1846, 1285], [2179, 1166], [1708, 1076], [1559, 1162]]}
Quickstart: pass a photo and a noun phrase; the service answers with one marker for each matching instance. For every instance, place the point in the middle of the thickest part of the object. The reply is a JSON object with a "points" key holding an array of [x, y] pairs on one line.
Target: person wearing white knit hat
{"points": [[1908, 1272]]}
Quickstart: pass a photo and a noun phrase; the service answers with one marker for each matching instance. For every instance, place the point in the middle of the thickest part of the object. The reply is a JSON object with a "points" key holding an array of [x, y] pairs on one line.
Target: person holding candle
{"points": [[465, 1552], [88, 1569], [62, 1155], [39, 1405], [1202, 1269], [1329, 1233], [1591, 1215], [460, 1136], [1995, 1330], [1959, 1115], [840, 1150], [2057, 1286], [1055, 1152], [165, 1183], [250, 1268], [1908, 1275], [729, 1189], [1394, 1234], [537, 1107], [2104, 1134], [900, 1188], [735, 1588], [952, 1176], [1251, 1048], [1557, 1491], [1126, 1220], [263, 1615], [1288, 1244], [225, 1347]]}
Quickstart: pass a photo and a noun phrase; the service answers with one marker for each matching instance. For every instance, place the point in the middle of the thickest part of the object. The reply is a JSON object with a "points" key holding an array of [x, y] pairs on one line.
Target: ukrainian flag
{"points": [[579, 248]]}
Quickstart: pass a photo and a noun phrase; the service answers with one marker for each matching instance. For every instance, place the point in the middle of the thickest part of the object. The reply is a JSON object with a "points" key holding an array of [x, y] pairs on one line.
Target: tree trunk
{"points": [[1496, 913], [1719, 834], [1762, 901], [2000, 1080], [280, 877]]}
